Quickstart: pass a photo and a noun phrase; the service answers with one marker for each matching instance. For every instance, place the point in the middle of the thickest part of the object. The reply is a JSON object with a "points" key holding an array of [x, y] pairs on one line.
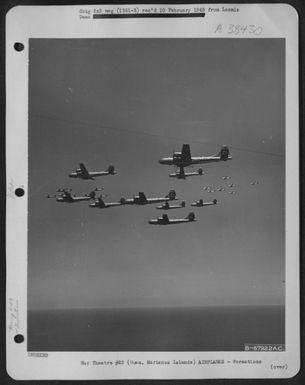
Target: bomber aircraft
{"points": [[200, 203], [66, 196], [83, 173], [164, 220], [167, 206], [99, 203], [142, 200], [181, 174], [184, 158]]}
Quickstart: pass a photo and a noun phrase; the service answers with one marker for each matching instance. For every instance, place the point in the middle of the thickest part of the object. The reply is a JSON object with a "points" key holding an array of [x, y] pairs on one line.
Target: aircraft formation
{"points": [[180, 160]]}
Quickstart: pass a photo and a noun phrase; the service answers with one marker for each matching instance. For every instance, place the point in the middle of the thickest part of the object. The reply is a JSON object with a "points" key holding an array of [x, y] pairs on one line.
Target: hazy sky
{"points": [[129, 102]]}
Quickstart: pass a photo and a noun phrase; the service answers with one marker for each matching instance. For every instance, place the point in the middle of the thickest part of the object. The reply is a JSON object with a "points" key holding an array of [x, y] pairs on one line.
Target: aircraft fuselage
{"points": [[90, 175], [170, 161], [138, 201], [200, 203], [161, 221], [169, 207], [180, 175], [142, 200], [72, 199], [104, 205]]}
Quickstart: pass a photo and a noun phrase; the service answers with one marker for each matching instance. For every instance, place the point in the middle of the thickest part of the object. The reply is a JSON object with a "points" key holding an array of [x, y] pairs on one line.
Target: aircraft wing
{"points": [[186, 153], [83, 169]]}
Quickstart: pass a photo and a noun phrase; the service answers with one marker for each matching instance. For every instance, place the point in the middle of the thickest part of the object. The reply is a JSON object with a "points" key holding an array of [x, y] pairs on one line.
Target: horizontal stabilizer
{"points": [[111, 170], [191, 217], [171, 195], [224, 153]]}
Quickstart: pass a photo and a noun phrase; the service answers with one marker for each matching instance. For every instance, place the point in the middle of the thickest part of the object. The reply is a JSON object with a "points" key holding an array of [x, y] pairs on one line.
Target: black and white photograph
{"points": [[157, 217], [148, 112]]}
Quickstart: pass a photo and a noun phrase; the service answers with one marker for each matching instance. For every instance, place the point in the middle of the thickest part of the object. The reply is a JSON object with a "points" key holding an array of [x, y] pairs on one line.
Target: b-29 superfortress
{"points": [[179, 159]]}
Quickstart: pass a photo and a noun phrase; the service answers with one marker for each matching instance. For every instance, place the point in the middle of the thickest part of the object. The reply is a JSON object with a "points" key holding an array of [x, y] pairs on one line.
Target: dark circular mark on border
{"points": [[19, 338], [19, 47], [19, 192]]}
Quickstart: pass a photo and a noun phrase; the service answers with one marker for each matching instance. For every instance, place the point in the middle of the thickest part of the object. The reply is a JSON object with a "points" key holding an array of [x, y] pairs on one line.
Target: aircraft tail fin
{"points": [[83, 167], [111, 170], [92, 194], [186, 153], [171, 195], [101, 201], [142, 197], [191, 217], [84, 170]]}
